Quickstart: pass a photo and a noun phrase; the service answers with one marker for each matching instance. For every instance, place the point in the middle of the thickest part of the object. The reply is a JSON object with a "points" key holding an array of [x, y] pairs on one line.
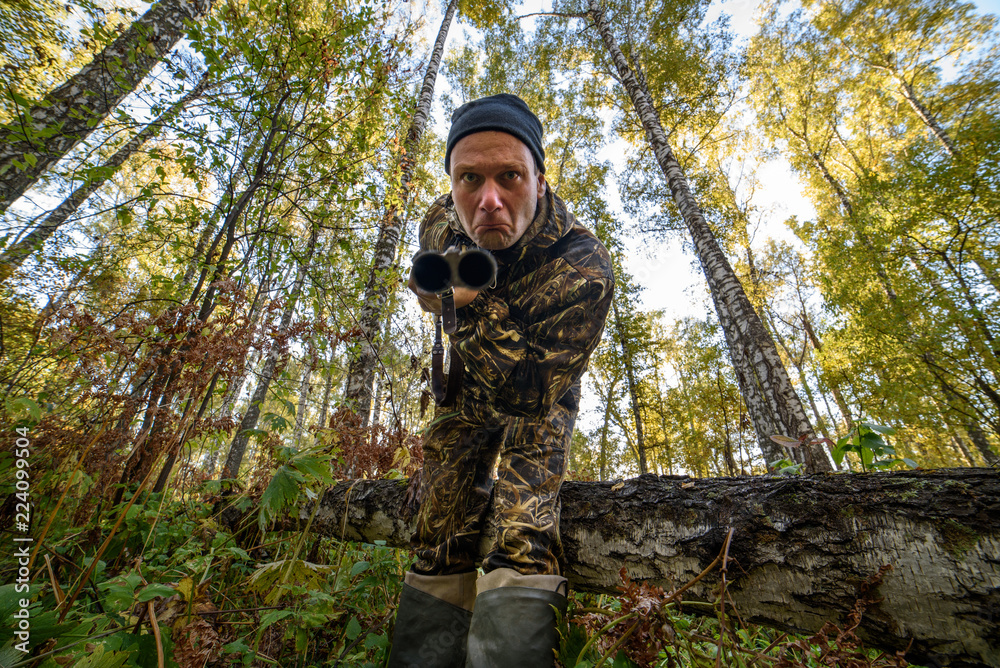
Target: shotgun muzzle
{"points": [[436, 272]]}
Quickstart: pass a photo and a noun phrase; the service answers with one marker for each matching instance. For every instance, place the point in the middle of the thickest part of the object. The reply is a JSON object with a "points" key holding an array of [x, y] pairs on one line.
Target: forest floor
{"points": [[263, 598]]}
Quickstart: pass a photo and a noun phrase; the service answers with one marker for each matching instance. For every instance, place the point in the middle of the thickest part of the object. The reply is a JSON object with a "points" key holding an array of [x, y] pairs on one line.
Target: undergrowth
{"points": [[199, 577], [275, 598]]}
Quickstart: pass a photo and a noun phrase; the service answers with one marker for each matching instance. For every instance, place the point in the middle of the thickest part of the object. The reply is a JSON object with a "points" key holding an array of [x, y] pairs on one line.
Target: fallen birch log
{"points": [[801, 547]]}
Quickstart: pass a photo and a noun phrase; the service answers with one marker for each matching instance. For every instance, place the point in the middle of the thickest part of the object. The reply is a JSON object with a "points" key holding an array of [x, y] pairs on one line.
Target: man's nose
{"points": [[489, 199]]}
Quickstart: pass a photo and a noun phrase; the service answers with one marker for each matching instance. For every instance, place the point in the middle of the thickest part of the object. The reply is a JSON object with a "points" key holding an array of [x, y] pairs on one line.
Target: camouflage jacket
{"points": [[526, 341]]}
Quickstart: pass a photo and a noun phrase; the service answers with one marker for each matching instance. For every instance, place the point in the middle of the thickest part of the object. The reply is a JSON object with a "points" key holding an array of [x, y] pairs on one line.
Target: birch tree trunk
{"points": [[327, 387], [604, 431], [31, 144], [771, 399], [925, 115], [629, 362], [361, 372], [801, 547], [978, 438], [238, 447], [305, 389], [13, 257], [838, 396]]}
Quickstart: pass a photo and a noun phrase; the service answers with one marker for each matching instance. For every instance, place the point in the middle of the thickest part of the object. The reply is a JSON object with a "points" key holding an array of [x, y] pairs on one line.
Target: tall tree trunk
{"points": [[963, 448], [666, 447], [982, 444], [238, 447], [305, 389], [838, 396], [775, 408], [798, 362], [361, 372], [604, 431], [327, 388], [926, 116], [633, 393], [168, 465], [801, 548], [36, 140], [13, 257]]}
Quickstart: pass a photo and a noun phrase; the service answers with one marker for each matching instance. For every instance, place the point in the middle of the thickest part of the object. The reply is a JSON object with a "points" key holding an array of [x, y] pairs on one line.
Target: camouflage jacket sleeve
{"points": [[527, 364]]}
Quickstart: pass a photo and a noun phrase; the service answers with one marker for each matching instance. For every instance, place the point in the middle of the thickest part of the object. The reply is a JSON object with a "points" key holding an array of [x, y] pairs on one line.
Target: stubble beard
{"points": [[494, 240]]}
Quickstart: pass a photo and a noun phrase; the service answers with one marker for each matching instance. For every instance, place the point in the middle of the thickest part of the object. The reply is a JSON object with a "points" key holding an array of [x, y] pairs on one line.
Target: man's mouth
{"points": [[492, 225]]}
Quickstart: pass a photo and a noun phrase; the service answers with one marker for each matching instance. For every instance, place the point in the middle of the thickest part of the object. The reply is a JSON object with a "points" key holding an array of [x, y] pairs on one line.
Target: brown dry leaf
{"points": [[174, 610], [687, 485], [616, 487], [196, 644]]}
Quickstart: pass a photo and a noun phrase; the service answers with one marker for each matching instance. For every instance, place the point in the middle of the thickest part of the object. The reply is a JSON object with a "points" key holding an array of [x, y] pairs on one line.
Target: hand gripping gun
{"points": [[440, 273]]}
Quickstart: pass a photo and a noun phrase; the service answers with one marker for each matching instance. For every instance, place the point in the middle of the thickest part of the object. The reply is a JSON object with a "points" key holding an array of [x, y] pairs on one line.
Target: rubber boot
{"points": [[515, 626], [431, 632]]}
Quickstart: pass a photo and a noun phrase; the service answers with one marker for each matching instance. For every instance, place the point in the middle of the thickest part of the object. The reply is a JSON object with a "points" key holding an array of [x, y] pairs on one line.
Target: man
{"points": [[524, 343]]}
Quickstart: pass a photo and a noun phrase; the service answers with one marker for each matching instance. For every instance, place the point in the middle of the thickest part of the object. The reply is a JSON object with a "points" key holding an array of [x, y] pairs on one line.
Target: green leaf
{"points": [[239, 553], [281, 493], [20, 100], [272, 617], [353, 629], [120, 595], [867, 456], [910, 463], [30, 406], [151, 591], [317, 468], [359, 567], [100, 658], [839, 452], [888, 431], [872, 442], [270, 578], [237, 647]]}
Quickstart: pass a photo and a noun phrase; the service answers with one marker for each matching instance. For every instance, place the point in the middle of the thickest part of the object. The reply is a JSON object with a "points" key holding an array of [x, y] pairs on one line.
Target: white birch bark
{"points": [[926, 116], [361, 372], [67, 115], [775, 404], [14, 256]]}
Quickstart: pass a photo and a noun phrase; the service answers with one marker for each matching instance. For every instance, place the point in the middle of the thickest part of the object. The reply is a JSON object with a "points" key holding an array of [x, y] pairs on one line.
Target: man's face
{"points": [[496, 187]]}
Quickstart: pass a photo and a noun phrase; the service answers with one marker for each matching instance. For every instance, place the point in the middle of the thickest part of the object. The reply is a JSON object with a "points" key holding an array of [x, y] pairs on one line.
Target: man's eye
{"points": [[512, 175], [468, 178]]}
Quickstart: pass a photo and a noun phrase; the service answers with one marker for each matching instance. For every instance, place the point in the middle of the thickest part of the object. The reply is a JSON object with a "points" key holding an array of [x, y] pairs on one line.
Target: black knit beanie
{"points": [[503, 113]]}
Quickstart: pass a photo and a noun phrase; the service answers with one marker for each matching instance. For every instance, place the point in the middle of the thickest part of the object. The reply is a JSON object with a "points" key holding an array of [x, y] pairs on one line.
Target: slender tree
{"points": [[272, 362], [771, 399], [13, 256], [361, 374], [43, 134]]}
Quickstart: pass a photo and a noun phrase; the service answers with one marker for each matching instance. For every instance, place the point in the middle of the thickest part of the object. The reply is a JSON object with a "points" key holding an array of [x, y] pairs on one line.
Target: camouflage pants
{"points": [[461, 447]]}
